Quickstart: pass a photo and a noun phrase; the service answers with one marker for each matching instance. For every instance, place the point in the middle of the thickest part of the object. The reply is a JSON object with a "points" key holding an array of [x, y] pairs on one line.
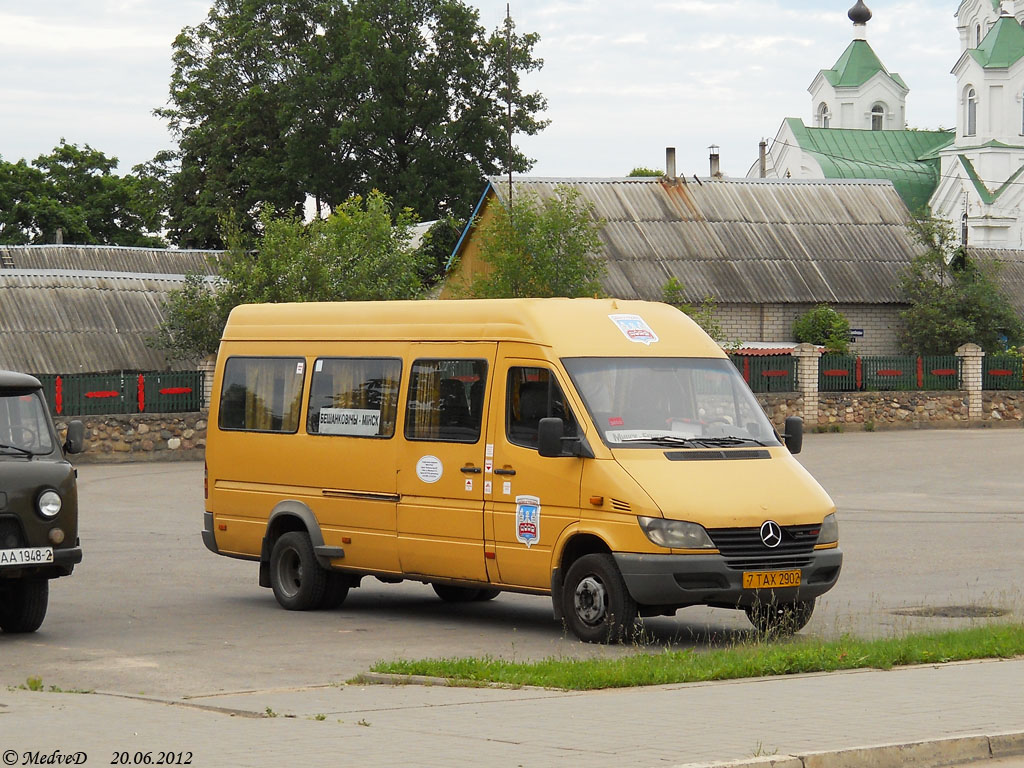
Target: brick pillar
{"points": [[807, 359], [207, 366], [971, 356]]}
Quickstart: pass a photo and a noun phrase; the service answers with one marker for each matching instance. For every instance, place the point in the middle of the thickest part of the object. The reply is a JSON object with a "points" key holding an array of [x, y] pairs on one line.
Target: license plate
{"points": [[27, 556], [770, 579]]}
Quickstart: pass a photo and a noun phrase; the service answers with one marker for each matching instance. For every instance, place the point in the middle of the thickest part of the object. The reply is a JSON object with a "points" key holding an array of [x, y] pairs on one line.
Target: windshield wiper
{"points": [[18, 448], [662, 440], [726, 441]]}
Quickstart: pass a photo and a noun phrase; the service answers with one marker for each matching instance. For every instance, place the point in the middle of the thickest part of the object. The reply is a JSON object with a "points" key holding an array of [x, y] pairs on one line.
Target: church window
{"points": [[977, 36], [824, 116], [877, 116], [972, 113]]}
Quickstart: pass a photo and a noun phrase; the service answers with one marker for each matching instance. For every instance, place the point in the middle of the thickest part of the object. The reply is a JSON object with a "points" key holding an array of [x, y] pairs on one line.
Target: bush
{"points": [[824, 326]]}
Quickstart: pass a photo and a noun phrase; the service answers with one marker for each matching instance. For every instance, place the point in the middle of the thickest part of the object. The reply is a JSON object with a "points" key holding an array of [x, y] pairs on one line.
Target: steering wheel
{"points": [[27, 436]]}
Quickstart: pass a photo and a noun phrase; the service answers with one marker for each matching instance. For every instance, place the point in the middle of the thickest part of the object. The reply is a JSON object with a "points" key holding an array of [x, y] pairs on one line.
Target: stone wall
{"points": [[142, 437]]}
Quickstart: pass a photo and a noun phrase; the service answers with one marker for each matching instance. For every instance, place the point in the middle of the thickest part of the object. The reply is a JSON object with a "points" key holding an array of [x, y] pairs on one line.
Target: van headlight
{"points": [[675, 534], [48, 504], [829, 530]]}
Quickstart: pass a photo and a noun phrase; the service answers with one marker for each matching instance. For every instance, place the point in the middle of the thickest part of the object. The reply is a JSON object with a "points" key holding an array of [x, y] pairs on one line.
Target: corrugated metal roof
{"points": [[108, 258], [747, 241], [80, 322]]}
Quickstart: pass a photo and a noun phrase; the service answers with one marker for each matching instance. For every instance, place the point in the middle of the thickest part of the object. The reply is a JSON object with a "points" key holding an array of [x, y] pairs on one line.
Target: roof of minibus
{"points": [[575, 327]]}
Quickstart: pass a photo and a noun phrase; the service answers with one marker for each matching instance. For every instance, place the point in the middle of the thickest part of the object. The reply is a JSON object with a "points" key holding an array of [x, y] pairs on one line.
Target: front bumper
{"points": [[681, 580], [64, 561]]}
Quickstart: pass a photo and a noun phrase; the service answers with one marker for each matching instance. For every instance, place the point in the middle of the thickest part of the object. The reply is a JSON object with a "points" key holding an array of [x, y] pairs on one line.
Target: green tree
{"points": [[276, 102], [74, 189], [361, 252], [703, 314], [437, 246], [824, 326], [953, 299], [541, 247], [640, 171]]}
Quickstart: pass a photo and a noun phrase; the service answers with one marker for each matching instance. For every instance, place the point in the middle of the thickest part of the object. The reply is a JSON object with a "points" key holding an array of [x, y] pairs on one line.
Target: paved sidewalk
{"points": [[414, 725]]}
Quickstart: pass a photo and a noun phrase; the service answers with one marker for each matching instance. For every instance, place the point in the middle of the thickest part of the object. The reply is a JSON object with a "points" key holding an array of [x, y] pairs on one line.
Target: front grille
{"points": [[742, 548], [11, 534]]}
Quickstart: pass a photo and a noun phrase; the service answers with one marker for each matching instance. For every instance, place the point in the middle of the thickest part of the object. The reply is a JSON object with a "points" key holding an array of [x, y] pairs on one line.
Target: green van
{"points": [[38, 502]]}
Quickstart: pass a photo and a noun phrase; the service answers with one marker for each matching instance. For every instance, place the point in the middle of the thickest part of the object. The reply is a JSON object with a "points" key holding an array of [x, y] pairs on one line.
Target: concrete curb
{"points": [[920, 754]]}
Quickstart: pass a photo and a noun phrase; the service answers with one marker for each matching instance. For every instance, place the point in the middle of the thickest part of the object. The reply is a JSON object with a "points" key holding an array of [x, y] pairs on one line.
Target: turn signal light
{"points": [[597, 501]]}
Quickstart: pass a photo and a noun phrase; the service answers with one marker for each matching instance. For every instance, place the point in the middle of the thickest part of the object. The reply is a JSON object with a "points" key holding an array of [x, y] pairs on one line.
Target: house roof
{"points": [[108, 258], [908, 159], [858, 64], [1002, 46], [745, 241]]}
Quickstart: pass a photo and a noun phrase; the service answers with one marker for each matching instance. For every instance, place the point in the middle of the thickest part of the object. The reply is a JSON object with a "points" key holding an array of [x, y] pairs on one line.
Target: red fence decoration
{"points": [[93, 394]]}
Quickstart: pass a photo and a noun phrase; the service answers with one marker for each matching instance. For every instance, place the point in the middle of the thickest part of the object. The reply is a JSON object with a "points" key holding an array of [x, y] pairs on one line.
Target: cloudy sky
{"points": [[623, 80]]}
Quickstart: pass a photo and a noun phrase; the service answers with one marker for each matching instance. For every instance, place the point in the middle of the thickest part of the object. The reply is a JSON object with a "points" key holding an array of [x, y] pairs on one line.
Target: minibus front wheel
{"points": [[298, 581], [598, 607]]}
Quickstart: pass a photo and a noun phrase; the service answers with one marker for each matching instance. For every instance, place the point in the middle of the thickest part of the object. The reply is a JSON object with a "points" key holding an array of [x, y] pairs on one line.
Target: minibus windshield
{"points": [[24, 426], [669, 402]]}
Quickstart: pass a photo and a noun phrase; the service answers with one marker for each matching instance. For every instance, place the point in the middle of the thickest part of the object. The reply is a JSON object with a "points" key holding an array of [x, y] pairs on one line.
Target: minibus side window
{"points": [[534, 394], [446, 400], [262, 394], [354, 396]]}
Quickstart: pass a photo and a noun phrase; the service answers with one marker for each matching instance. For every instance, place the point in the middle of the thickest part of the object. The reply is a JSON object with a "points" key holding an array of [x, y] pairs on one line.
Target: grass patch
{"points": [[756, 659]]}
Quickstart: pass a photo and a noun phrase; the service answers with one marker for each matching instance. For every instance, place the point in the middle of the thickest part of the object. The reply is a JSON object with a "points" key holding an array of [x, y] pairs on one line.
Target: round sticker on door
{"points": [[429, 469]]}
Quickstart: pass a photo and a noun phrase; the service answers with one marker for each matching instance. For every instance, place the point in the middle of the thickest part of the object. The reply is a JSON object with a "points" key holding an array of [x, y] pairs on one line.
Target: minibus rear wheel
{"points": [[598, 607], [298, 581], [23, 605], [780, 619], [456, 594]]}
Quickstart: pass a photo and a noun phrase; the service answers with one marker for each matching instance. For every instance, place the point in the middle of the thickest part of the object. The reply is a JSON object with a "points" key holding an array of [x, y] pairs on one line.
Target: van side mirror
{"points": [[75, 441], [794, 435], [552, 442]]}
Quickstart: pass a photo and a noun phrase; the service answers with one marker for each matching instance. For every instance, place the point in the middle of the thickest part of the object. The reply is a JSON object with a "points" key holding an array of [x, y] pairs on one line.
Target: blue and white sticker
{"points": [[527, 520], [635, 328]]}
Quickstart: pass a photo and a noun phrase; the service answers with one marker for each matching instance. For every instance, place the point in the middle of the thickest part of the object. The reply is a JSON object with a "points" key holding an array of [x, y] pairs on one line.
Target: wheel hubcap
{"points": [[591, 600], [290, 571]]}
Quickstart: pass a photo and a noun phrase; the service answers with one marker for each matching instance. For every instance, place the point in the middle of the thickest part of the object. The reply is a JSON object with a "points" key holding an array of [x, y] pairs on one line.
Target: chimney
{"points": [[716, 173], [762, 160], [670, 163]]}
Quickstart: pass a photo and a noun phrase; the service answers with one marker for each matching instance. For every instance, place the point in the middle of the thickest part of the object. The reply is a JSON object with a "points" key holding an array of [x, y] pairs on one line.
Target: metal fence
{"points": [[767, 373], [1002, 372], [91, 394], [878, 373]]}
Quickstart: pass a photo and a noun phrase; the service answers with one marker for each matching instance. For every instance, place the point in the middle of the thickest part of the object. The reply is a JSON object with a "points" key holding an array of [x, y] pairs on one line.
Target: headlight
{"points": [[675, 534], [49, 503], [829, 530]]}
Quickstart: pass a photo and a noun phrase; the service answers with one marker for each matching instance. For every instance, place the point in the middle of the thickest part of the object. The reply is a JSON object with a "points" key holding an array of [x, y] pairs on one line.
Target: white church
{"points": [[973, 176]]}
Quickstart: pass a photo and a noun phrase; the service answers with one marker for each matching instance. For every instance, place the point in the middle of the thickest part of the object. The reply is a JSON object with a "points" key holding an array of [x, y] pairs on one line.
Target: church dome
{"points": [[860, 13]]}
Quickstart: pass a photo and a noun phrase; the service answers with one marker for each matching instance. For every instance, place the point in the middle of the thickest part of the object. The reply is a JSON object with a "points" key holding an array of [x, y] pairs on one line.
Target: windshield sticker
{"points": [[615, 421], [429, 469], [635, 329], [349, 421], [527, 520], [624, 435]]}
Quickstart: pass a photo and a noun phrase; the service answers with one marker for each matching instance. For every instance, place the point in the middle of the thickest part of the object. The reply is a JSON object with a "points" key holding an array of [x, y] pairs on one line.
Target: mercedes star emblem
{"points": [[771, 534]]}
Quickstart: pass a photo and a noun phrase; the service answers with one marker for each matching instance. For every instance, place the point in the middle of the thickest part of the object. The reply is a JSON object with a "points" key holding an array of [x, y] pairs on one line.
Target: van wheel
{"points": [[780, 619], [486, 594], [298, 581], [598, 607], [23, 605], [335, 592], [456, 594]]}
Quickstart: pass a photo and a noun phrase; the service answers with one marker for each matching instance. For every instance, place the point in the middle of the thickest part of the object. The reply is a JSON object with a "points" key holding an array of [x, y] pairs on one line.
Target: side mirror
{"points": [[794, 436], [550, 432], [75, 441]]}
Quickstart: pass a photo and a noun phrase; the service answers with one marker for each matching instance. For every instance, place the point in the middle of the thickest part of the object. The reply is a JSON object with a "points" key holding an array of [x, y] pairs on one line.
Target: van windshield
{"points": [[24, 424], [669, 402]]}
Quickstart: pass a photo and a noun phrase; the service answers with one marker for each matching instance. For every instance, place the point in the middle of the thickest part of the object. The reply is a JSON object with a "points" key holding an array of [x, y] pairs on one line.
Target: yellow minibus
{"points": [[602, 452]]}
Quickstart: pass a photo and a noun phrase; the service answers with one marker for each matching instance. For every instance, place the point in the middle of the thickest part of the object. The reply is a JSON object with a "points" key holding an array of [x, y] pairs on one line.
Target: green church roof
{"points": [[909, 159], [856, 66], [1002, 46]]}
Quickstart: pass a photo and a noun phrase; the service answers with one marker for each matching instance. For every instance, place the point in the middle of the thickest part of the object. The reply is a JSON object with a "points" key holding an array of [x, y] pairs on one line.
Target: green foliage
{"points": [[825, 326], [640, 171], [541, 247], [275, 102], [703, 314], [355, 254], [436, 248], [74, 189], [953, 299]]}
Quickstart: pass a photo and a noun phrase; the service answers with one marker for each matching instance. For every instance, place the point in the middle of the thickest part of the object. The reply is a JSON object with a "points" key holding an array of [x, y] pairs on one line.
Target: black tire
{"points": [[780, 619], [335, 592], [598, 607], [486, 594], [298, 581], [23, 605], [455, 594]]}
